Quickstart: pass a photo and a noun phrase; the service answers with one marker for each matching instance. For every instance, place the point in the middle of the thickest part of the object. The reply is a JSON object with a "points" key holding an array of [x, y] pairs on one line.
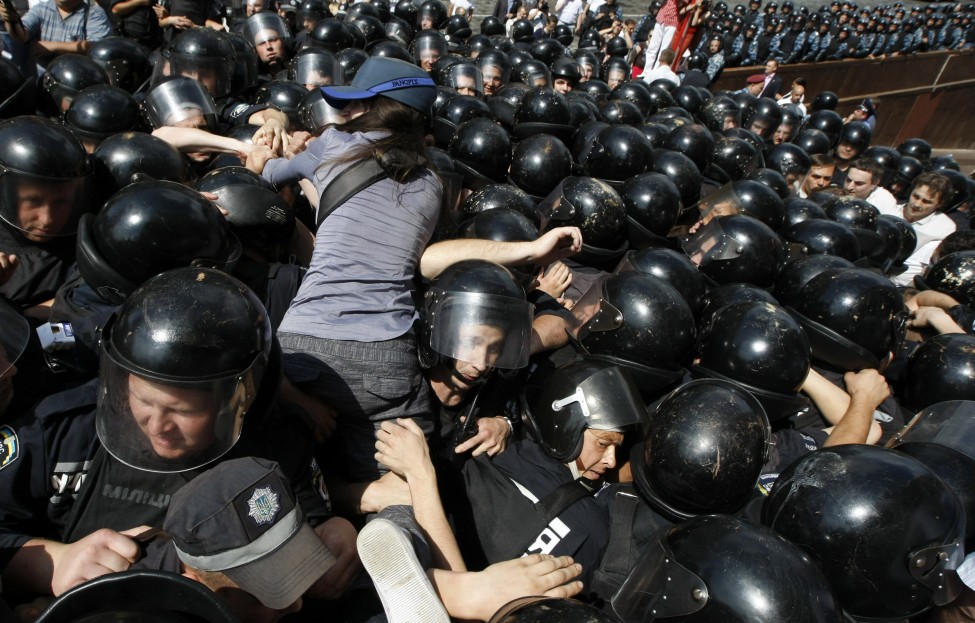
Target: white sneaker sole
{"points": [[406, 593]]}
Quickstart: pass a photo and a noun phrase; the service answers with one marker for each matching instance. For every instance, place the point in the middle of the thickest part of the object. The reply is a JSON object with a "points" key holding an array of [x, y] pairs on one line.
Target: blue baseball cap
{"points": [[390, 77]]}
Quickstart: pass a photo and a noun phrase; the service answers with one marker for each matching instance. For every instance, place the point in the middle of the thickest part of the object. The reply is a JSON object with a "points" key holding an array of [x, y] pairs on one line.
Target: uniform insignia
{"points": [[263, 505], [9, 446]]}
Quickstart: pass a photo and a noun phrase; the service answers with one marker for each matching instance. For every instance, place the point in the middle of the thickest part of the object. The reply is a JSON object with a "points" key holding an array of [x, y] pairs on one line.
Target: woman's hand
{"points": [[258, 158], [402, 447], [272, 134]]}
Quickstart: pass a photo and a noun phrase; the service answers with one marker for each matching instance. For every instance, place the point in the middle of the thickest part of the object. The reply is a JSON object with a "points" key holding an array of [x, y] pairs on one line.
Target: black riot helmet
{"points": [[100, 111], [491, 25], [260, 218], [475, 311], [733, 158], [482, 149], [563, 34], [954, 275], [542, 110], [498, 197], [596, 209], [495, 69], [673, 267], [38, 154], [547, 50], [721, 113], [502, 225], [916, 148], [310, 12], [539, 163], [351, 59], [703, 452], [317, 67], [940, 436], [861, 217], [797, 273], [721, 296], [19, 92], [617, 153], [638, 321], [694, 141], [207, 56], [126, 62], [656, 132], [283, 96], [942, 368], [580, 395], [760, 347], [139, 595], [798, 209], [695, 572], [522, 31], [824, 237], [332, 34], [148, 228], [620, 111], [853, 317], [615, 71], [180, 101], [856, 134], [454, 112], [908, 237], [887, 157], [892, 235], [771, 178], [193, 331], [824, 100], [826, 121], [681, 171], [119, 158], [533, 609], [813, 141], [66, 75], [760, 201], [567, 69], [790, 160], [400, 32], [266, 26], [737, 249], [884, 528], [653, 206], [660, 98], [763, 117], [435, 11], [688, 98], [247, 67]]}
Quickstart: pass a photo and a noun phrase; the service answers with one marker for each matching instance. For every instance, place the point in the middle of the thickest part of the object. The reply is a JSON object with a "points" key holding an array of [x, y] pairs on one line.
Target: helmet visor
{"points": [[169, 425], [659, 587], [429, 48], [481, 329], [947, 424], [592, 313], [320, 70], [607, 400], [14, 333], [214, 73], [43, 207], [182, 102], [711, 244], [722, 202], [463, 76], [314, 113], [555, 207], [263, 27]]}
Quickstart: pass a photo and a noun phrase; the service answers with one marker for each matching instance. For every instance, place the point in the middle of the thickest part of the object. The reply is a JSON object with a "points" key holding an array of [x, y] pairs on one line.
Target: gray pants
{"points": [[367, 383]]}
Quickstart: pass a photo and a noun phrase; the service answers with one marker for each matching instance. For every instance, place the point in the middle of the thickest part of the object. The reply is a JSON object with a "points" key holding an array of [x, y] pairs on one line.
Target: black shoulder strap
{"points": [[347, 184], [561, 498]]}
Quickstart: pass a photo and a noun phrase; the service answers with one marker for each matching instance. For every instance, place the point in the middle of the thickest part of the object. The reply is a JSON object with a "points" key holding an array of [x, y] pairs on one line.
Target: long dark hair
{"points": [[402, 153]]}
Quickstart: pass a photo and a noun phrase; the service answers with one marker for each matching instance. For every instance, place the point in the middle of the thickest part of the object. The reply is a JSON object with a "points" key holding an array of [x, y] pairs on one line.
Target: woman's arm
{"points": [[194, 139]]}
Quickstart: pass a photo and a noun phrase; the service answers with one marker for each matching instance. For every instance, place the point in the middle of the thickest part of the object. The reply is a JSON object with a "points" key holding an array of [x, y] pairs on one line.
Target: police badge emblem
{"points": [[263, 505], [9, 446]]}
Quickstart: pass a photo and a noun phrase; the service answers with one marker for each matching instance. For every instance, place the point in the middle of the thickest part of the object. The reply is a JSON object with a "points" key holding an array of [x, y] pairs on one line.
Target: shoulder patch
{"points": [[9, 446]]}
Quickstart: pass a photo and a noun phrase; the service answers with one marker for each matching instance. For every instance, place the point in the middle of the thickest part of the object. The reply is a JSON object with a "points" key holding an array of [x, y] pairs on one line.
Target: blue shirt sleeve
{"points": [[99, 25]]}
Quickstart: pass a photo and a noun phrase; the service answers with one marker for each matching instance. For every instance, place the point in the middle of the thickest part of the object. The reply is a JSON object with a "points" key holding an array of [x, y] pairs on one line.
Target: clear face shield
{"points": [[314, 113], [181, 102], [593, 314], [711, 244], [43, 207], [320, 69], [615, 76], [494, 76], [659, 587], [170, 425], [722, 202], [215, 74], [14, 334], [466, 79], [263, 27], [480, 329], [426, 50], [606, 399], [555, 209]]}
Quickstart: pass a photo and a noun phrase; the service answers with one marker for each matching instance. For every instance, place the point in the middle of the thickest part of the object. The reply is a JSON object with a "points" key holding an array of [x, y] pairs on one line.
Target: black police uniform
{"points": [[57, 482], [504, 490], [42, 270]]}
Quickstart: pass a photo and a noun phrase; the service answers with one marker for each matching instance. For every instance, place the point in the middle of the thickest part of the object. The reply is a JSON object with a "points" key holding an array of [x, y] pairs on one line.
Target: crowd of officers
{"points": [[679, 336]]}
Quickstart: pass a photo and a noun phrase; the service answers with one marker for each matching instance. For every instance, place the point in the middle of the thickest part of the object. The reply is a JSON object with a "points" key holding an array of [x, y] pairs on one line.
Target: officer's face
{"points": [[818, 179], [177, 421], [465, 85], [492, 79], [253, 8], [562, 85], [615, 78], [598, 453], [271, 50], [922, 203], [478, 348], [859, 183], [428, 58], [45, 209], [845, 151], [782, 133]]}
